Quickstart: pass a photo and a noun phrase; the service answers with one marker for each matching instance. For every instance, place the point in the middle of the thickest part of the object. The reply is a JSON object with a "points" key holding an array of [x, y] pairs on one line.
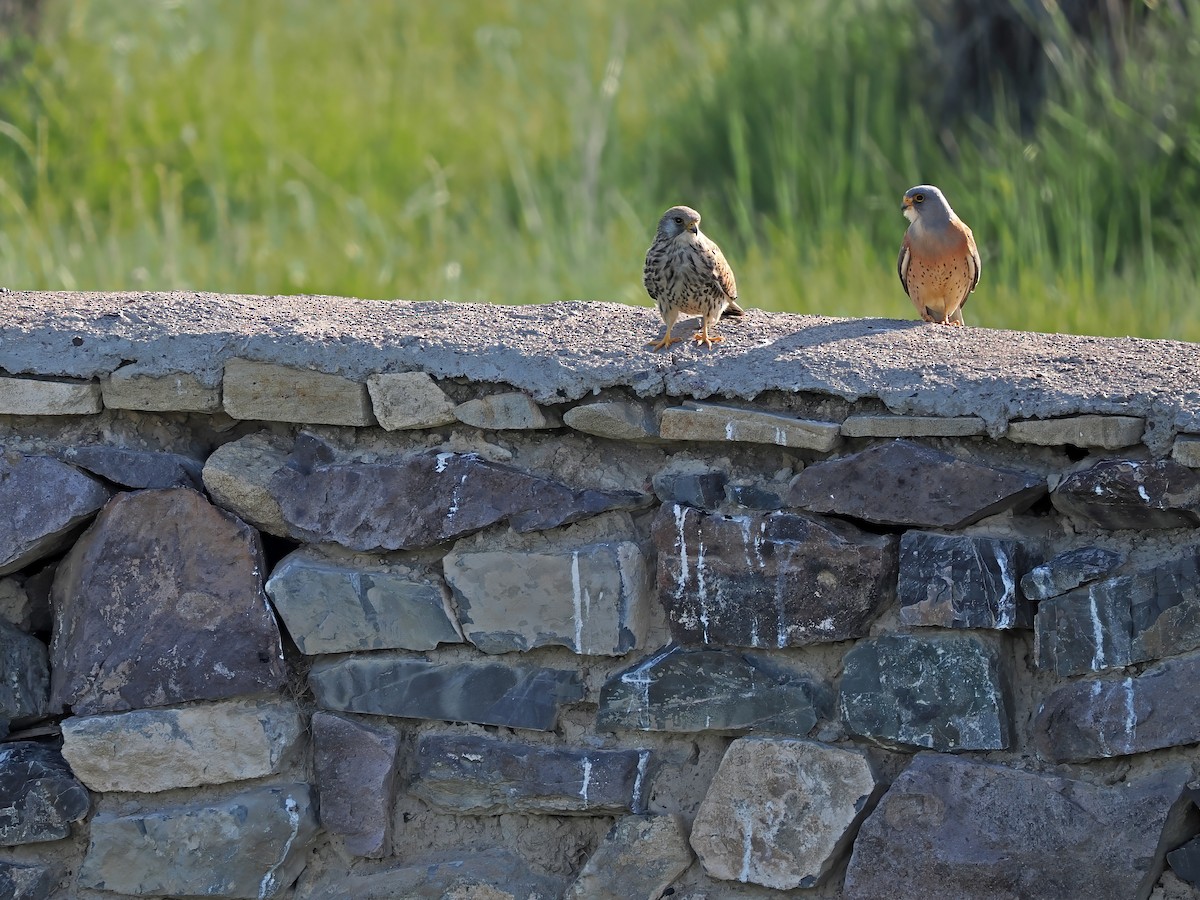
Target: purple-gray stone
{"points": [[957, 581], [387, 684], [950, 828], [24, 676], [754, 496], [355, 768], [484, 776], [689, 690], [44, 501], [160, 602], [18, 882], [490, 874], [426, 499], [1068, 570], [1131, 493], [905, 483], [705, 490], [1185, 862], [944, 692], [770, 581], [137, 469], [39, 797], [1092, 719]]}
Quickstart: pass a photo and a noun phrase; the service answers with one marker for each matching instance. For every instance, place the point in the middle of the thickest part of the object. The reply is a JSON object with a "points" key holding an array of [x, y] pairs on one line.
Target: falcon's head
{"points": [[679, 220], [927, 204]]}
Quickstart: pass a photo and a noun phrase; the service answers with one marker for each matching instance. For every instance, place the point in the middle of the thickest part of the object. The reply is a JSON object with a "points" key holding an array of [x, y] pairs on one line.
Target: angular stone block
{"points": [[1090, 719], [754, 496], [912, 426], [272, 393], [615, 419], [484, 776], [593, 599], [161, 602], [1109, 432], [333, 607], [682, 690], [1068, 570], [426, 499], [16, 606], [387, 684], [236, 476], [1185, 862], [355, 768], [1186, 451], [151, 750], [469, 874], [130, 388], [1131, 493], [253, 844], [39, 797], [704, 490], [24, 676], [904, 483], [782, 813], [45, 500], [950, 828], [639, 857], [404, 400], [137, 469], [775, 580], [513, 410], [19, 882], [34, 397], [946, 693], [711, 422], [956, 581]]}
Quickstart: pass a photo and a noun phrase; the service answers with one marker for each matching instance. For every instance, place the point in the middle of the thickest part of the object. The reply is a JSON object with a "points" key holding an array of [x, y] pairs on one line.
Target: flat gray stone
{"points": [[913, 426], [944, 692], [511, 410], [483, 776], [39, 797], [712, 422], [35, 397], [470, 874], [1186, 450], [161, 602], [130, 388], [950, 828], [756, 496], [1091, 719], [22, 882], [775, 580], [24, 676], [1108, 432], [782, 812], [273, 393], [150, 750], [405, 400], [704, 490], [682, 690], [639, 857], [1068, 570], [252, 845], [959, 581], [905, 483], [1131, 493], [594, 599], [46, 500], [333, 607], [616, 419], [355, 769], [388, 684], [137, 469]]}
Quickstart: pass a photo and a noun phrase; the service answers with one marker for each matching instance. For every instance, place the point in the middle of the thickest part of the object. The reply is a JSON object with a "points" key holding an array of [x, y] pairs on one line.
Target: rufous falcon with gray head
{"points": [[938, 262], [686, 273]]}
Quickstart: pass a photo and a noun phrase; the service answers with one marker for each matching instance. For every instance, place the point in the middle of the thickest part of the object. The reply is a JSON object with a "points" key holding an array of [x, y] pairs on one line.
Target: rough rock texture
{"points": [[39, 797], [334, 607], [1185, 861], [1130, 618], [1068, 570], [236, 476], [404, 400], [355, 769], [512, 409], [682, 690], [912, 426], [484, 776], [704, 490], [19, 882], [639, 857], [45, 500], [24, 676], [150, 750], [387, 684], [944, 692], [782, 813], [1129, 493], [275, 393], [957, 581], [905, 483], [775, 580], [619, 420], [129, 388], [428, 498], [950, 828], [593, 598], [1109, 432], [1186, 451], [1097, 719], [713, 422], [137, 469], [161, 602], [250, 845], [17, 607], [30, 397], [469, 875]]}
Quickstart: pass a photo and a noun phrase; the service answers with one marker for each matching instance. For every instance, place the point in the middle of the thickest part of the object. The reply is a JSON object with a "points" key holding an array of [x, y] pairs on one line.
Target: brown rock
{"points": [[355, 766], [1131, 493]]}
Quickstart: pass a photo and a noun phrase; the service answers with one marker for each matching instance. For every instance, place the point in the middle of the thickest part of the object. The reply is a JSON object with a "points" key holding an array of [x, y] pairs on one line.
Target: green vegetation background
{"points": [[521, 152]]}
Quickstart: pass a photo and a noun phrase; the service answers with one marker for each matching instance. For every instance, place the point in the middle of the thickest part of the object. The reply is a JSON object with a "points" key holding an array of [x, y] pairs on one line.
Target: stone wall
{"points": [[318, 598]]}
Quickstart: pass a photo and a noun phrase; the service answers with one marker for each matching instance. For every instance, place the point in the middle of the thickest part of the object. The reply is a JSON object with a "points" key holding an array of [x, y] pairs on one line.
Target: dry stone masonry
{"points": [[322, 598]]}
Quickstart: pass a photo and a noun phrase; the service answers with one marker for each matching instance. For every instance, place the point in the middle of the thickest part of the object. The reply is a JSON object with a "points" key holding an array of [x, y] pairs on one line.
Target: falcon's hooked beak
{"points": [[909, 210], [693, 227]]}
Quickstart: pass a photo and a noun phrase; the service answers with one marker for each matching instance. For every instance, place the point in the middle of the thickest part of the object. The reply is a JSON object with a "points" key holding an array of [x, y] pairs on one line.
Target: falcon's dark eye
{"points": [[679, 220], [918, 198]]}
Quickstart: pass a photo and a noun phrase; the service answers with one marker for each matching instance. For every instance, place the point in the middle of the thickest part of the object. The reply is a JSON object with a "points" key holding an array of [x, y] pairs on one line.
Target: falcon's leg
{"points": [[956, 318], [703, 337], [667, 340]]}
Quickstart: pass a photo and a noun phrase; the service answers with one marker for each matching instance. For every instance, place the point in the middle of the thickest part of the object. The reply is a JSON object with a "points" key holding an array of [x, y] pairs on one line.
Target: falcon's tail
{"points": [[732, 311]]}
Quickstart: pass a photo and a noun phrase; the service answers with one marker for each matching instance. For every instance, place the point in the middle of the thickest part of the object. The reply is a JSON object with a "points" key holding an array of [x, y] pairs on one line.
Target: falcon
{"points": [[938, 263]]}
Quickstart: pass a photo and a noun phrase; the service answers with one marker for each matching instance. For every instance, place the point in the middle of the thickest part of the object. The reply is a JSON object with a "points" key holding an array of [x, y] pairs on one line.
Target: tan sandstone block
{"points": [[912, 426], [616, 419], [31, 397], [711, 422], [1108, 432], [512, 410], [273, 393], [178, 392], [404, 400], [1187, 450]]}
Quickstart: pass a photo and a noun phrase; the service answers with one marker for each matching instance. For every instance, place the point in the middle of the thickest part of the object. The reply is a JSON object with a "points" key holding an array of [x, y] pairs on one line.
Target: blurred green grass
{"points": [[521, 151]]}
